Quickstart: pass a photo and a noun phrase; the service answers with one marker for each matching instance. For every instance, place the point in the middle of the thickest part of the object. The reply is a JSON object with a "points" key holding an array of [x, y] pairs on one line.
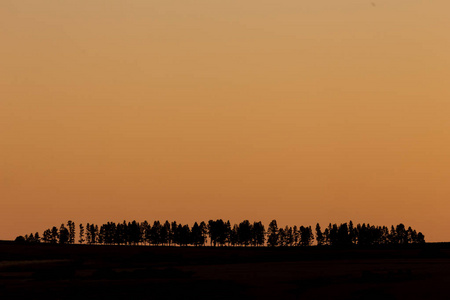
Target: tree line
{"points": [[221, 233]]}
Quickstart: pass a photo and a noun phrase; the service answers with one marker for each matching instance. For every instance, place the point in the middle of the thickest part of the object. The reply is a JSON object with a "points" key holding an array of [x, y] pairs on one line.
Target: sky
{"points": [[302, 111]]}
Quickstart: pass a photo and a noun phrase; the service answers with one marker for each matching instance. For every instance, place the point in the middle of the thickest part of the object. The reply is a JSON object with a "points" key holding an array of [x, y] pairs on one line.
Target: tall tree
{"points": [[227, 232], [234, 236], [245, 233], [222, 233], [393, 236], [212, 232], [146, 232], [319, 235], [306, 236], [92, 231], [333, 234], [326, 236], [289, 236], [37, 238], [119, 235], [102, 235], [185, 235], [204, 232], [402, 235], [135, 233], [168, 230], [296, 236], [351, 233], [165, 232], [258, 234], [55, 235], [272, 232], [155, 233], [88, 234], [29, 238], [63, 235], [343, 237], [81, 234], [175, 233], [71, 228], [47, 236], [195, 233]]}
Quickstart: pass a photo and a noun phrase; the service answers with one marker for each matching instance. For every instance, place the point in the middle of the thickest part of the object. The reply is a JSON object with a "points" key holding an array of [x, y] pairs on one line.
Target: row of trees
{"points": [[221, 233], [346, 234]]}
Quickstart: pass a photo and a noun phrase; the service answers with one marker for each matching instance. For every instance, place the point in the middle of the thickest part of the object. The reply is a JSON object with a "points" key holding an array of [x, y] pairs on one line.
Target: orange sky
{"points": [[300, 110]]}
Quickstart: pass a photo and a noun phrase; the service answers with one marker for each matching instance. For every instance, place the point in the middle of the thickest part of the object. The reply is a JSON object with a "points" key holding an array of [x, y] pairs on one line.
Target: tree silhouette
{"points": [[196, 234], [164, 233], [272, 232], [213, 232], [81, 234], [91, 233], [401, 233], [319, 235], [168, 229], [333, 234], [222, 233], [54, 235], [233, 237], [88, 233], [71, 228], [185, 235], [281, 237], [63, 235], [420, 238], [289, 236], [173, 234], [37, 238], [343, 237], [227, 232], [296, 235], [326, 236], [29, 238], [393, 236], [155, 233], [120, 236], [101, 235], [135, 235], [306, 236], [20, 239], [351, 233], [258, 234], [47, 236], [108, 232], [146, 232], [411, 235], [204, 232], [245, 233]]}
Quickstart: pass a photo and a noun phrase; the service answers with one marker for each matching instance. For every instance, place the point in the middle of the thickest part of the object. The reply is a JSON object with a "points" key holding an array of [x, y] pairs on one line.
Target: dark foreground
{"points": [[132, 272]]}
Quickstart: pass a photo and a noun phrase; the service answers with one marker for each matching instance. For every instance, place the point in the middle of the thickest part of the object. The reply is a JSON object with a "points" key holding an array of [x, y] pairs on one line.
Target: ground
{"points": [[148, 272]]}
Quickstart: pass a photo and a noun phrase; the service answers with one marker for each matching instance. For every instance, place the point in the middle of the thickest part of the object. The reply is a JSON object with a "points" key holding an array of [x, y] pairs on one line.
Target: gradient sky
{"points": [[302, 111]]}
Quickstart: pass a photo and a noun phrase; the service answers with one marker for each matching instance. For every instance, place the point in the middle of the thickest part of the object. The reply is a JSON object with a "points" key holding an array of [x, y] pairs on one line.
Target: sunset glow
{"points": [[299, 111]]}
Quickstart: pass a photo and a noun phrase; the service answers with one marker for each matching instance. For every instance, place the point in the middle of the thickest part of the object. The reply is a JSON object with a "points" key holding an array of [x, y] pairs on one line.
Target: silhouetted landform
{"points": [[64, 271], [221, 233]]}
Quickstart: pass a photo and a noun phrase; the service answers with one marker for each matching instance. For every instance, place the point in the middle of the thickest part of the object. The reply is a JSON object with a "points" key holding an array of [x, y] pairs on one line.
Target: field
{"points": [[131, 272]]}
